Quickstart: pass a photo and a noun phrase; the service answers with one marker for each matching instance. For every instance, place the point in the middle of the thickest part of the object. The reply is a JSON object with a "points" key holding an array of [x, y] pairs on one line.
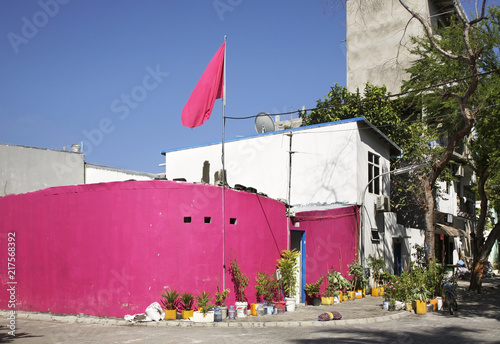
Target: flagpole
{"points": [[223, 173]]}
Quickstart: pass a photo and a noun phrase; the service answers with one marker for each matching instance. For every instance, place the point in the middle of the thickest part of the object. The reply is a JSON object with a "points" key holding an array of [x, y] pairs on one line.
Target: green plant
{"points": [[434, 278], [406, 287], [203, 300], [385, 277], [359, 280], [312, 289], [267, 287], [421, 293], [220, 298], [288, 267], [239, 280], [170, 299], [377, 265], [187, 301], [336, 283]]}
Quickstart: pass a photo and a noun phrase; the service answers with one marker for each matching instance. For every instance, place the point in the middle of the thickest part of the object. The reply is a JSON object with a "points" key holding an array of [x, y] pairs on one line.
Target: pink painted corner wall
{"points": [[111, 249], [332, 240]]}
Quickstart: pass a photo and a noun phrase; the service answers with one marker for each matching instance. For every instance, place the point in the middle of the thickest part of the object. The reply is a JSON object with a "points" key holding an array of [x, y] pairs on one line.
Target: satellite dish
{"points": [[263, 123]]}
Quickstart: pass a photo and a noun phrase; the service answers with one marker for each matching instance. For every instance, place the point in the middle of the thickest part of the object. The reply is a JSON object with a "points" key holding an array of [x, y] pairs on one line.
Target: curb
{"points": [[73, 319]]}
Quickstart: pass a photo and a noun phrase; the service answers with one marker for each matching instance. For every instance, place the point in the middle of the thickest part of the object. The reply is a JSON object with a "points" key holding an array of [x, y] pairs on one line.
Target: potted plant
{"points": [[434, 274], [288, 270], [203, 314], [267, 289], [220, 301], [377, 266], [240, 282], [312, 291], [187, 305], [421, 296], [337, 285], [359, 280], [170, 302]]}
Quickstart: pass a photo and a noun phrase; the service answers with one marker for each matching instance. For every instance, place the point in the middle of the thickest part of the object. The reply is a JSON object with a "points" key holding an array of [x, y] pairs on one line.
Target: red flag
{"points": [[210, 87]]}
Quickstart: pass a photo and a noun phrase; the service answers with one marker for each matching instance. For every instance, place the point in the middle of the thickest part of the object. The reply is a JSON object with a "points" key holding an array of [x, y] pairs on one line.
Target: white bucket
{"points": [[440, 303], [290, 304], [241, 309]]}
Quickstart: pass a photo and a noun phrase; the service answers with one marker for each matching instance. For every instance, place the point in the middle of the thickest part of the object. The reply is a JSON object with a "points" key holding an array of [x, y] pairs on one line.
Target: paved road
{"points": [[477, 321]]}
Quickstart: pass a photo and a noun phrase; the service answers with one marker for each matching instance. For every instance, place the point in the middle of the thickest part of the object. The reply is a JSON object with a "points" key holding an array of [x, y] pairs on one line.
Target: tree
{"points": [[485, 157], [453, 54], [374, 104], [441, 59]]}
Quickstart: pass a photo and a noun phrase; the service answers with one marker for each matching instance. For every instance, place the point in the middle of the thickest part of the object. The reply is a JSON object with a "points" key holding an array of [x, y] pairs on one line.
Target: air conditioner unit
{"points": [[460, 171], [382, 203]]}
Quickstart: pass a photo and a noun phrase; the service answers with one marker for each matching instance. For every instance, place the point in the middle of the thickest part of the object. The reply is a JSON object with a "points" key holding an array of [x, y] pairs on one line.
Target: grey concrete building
{"points": [[26, 169], [378, 39]]}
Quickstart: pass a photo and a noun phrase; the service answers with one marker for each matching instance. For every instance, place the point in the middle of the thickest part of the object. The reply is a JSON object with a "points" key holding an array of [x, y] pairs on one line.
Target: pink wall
{"points": [[110, 249], [331, 240]]}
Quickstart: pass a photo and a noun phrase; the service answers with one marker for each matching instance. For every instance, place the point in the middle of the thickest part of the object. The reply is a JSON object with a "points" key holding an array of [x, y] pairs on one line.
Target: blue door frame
{"points": [[298, 241]]}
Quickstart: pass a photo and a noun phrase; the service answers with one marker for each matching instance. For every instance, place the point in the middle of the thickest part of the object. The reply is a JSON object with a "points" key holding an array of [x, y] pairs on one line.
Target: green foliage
{"points": [[187, 301], [421, 293], [203, 300], [170, 299], [434, 278], [267, 287], [312, 289], [220, 298], [336, 283], [377, 266], [239, 279], [373, 104], [359, 280], [288, 267]]}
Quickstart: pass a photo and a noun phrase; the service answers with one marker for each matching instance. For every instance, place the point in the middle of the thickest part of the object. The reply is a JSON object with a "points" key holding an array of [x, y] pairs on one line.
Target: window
{"points": [[373, 173], [375, 235]]}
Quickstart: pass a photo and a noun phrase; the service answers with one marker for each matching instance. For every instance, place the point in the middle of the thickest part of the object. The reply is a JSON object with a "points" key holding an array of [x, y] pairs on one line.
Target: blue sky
{"points": [[116, 74]]}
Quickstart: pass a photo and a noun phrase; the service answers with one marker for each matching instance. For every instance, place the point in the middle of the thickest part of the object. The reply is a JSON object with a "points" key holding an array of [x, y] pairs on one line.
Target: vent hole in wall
{"points": [[187, 219], [232, 221], [208, 219]]}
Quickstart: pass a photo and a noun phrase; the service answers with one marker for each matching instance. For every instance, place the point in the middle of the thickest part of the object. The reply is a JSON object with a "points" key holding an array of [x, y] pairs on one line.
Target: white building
{"points": [[331, 165], [103, 174]]}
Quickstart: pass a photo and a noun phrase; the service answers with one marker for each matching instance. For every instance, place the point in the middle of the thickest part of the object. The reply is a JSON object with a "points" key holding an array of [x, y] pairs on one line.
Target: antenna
{"points": [[263, 123]]}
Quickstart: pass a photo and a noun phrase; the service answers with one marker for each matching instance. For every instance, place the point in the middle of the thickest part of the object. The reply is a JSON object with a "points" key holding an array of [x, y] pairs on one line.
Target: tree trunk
{"points": [[428, 199], [483, 249], [476, 278]]}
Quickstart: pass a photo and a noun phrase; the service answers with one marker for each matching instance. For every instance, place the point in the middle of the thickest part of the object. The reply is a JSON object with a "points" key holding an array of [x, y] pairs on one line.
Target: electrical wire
{"points": [[377, 98]]}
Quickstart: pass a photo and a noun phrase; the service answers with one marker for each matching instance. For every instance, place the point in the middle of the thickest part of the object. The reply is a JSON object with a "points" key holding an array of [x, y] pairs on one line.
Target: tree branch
{"points": [[430, 35]]}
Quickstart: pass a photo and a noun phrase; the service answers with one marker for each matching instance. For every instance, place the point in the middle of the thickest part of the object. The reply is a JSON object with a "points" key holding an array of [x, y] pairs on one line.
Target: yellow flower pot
{"points": [[377, 291], [326, 300], [421, 307], [170, 314], [187, 314]]}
